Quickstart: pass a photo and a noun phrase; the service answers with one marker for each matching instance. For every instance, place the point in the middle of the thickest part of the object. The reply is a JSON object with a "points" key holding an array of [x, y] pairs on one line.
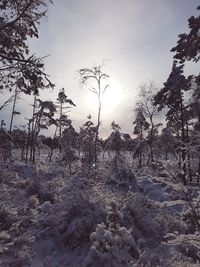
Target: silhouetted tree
{"points": [[43, 119], [114, 141], [188, 45], [63, 118], [172, 97], [188, 49], [14, 112], [168, 143], [68, 143], [141, 126], [87, 137], [149, 110], [19, 20], [19, 138], [97, 77]]}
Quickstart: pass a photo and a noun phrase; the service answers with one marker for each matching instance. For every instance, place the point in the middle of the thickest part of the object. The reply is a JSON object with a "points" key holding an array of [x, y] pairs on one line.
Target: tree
{"points": [[128, 142], [168, 143], [63, 119], [141, 125], [114, 141], [14, 112], [5, 145], [188, 45], [19, 138], [188, 49], [146, 104], [43, 118], [172, 97], [87, 137], [97, 76], [68, 143], [19, 20]]}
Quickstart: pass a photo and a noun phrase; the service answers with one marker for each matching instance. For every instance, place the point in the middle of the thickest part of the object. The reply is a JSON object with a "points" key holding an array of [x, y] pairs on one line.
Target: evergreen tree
{"points": [[19, 21], [63, 118], [68, 144], [141, 126], [43, 118], [172, 96], [188, 45], [87, 144]]}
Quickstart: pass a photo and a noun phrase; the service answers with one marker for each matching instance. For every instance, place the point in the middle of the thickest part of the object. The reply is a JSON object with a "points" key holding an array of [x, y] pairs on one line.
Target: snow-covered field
{"points": [[47, 216]]}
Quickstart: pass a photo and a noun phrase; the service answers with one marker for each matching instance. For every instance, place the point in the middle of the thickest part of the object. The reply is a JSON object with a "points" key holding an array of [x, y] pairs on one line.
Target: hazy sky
{"points": [[134, 35]]}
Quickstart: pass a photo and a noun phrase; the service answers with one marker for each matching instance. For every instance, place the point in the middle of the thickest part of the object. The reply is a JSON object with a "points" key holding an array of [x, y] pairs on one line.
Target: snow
{"points": [[51, 218]]}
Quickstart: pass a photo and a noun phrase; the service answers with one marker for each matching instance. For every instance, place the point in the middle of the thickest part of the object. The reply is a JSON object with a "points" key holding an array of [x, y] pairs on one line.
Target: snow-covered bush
{"points": [[33, 186], [112, 245], [149, 219], [80, 220], [39, 188], [192, 214], [5, 147], [124, 178], [188, 245], [69, 156], [17, 232]]}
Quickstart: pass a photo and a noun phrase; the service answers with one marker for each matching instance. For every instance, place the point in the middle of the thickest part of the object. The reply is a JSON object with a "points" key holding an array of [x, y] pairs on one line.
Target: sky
{"points": [[133, 37]]}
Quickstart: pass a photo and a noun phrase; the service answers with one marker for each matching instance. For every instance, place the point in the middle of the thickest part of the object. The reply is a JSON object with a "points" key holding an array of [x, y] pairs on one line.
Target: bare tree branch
{"points": [[6, 102]]}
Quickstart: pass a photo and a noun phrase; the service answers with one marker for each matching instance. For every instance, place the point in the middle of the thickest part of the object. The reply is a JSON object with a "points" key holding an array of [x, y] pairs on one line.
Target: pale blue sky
{"points": [[136, 35]]}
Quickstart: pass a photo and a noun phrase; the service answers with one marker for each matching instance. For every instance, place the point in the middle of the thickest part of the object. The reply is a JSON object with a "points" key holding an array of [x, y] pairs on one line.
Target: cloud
{"points": [[136, 35]]}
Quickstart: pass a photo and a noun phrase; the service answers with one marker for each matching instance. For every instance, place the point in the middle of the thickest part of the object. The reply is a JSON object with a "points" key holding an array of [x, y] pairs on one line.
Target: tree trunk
{"points": [[188, 154], [60, 129], [198, 178], [151, 142], [51, 151], [98, 124], [27, 143], [140, 160], [13, 109], [183, 143], [32, 129]]}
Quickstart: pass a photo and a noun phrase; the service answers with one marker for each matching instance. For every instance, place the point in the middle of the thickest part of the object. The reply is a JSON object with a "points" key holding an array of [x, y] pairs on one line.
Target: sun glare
{"points": [[112, 98]]}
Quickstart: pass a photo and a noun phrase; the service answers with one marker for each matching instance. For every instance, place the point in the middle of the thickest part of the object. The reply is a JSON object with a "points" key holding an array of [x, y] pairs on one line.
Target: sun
{"points": [[111, 99]]}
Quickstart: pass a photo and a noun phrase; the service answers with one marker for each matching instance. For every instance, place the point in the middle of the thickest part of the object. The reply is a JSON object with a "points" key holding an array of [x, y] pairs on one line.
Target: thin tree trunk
{"points": [[70, 168], [183, 144], [98, 123], [188, 155], [27, 142], [13, 109], [32, 129], [22, 152], [51, 151], [151, 142], [198, 178], [60, 129], [10, 99], [140, 159]]}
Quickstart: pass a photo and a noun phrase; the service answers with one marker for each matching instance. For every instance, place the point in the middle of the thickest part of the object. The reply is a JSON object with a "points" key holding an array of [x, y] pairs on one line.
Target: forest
{"points": [[75, 198]]}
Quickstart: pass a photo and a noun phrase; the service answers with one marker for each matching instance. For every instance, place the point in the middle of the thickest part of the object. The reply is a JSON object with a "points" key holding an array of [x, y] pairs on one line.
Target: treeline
{"points": [[175, 138]]}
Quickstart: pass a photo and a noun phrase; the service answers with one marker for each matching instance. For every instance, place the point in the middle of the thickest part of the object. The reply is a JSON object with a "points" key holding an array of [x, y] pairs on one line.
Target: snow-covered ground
{"points": [[47, 215]]}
